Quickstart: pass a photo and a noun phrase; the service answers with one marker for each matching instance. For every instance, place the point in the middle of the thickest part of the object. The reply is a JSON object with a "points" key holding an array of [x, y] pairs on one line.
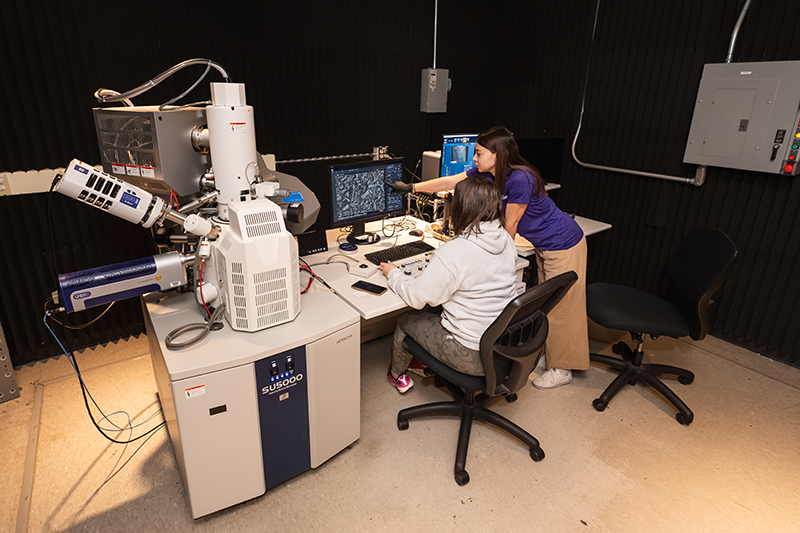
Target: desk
{"points": [[589, 227], [378, 313]]}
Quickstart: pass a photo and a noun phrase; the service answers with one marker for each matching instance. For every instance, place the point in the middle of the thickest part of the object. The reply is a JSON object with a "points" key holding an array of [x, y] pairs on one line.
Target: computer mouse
{"points": [[415, 233]]}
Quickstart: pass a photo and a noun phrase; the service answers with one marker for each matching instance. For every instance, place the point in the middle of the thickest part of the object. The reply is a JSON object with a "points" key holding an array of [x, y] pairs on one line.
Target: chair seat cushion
{"points": [[465, 381], [629, 309]]}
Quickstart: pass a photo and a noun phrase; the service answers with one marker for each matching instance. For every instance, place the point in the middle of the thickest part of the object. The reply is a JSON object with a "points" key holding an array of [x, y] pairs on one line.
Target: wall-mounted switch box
{"points": [[433, 94]]}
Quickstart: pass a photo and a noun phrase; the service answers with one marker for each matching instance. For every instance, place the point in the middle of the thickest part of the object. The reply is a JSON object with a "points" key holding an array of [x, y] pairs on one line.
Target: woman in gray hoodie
{"points": [[473, 278]]}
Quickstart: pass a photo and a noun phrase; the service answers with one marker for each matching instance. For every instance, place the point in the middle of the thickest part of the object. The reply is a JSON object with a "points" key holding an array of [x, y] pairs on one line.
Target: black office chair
{"points": [[695, 271], [510, 349]]}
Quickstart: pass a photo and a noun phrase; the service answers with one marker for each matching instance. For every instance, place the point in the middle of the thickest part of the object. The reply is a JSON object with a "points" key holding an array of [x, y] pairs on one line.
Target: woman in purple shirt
{"points": [[559, 242]]}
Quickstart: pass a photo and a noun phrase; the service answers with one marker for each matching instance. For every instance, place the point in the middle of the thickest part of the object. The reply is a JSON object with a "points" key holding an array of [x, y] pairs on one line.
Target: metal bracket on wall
{"points": [[8, 380]]}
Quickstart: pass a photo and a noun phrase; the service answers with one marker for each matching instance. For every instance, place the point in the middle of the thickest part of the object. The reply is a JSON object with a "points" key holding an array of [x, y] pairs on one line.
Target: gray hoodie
{"points": [[472, 278]]}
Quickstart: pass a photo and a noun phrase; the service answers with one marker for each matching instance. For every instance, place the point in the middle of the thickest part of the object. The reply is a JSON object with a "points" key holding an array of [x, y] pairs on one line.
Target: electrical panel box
{"points": [[747, 116], [433, 94]]}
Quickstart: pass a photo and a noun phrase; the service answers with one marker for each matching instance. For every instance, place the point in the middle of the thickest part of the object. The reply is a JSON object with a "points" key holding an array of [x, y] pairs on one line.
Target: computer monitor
{"points": [[359, 195], [457, 153], [544, 154]]}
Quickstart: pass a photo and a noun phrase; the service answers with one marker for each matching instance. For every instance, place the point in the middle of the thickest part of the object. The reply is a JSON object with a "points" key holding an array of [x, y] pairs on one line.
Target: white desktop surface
{"points": [[337, 276], [589, 227], [321, 314]]}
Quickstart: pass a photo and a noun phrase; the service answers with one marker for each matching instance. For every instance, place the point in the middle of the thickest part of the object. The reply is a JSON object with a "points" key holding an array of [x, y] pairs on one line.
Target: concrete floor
{"points": [[630, 468]]}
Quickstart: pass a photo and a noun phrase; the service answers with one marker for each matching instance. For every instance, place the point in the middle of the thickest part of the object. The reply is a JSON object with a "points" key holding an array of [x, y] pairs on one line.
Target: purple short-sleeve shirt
{"points": [[543, 224]]}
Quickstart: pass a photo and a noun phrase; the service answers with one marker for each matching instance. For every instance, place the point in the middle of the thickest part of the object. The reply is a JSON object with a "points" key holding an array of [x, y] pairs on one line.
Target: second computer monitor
{"points": [[544, 154], [457, 153], [359, 194]]}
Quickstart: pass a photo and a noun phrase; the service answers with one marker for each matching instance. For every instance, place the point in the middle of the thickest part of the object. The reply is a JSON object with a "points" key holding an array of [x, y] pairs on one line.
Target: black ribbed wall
{"points": [[645, 67], [324, 78], [330, 78], [83, 238]]}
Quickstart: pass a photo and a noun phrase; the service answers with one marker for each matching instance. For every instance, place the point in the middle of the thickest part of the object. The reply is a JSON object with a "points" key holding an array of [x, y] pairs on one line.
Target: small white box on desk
{"points": [[364, 269]]}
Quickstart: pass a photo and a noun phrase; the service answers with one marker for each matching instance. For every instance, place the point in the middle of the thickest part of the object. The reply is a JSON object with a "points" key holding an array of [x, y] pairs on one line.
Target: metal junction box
{"points": [[152, 149], [433, 94], [746, 117]]}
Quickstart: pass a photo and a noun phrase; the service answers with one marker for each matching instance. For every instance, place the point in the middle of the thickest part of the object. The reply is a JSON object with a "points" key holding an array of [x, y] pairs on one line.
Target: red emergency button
{"points": [[788, 168]]}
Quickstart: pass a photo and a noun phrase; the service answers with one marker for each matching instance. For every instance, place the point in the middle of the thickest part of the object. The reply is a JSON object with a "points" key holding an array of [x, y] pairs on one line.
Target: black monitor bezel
{"points": [[546, 154], [360, 220]]}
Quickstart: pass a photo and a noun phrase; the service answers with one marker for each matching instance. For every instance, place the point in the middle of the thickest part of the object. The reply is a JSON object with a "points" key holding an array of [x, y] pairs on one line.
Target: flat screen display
{"points": [[457, 153], [359, 194]]}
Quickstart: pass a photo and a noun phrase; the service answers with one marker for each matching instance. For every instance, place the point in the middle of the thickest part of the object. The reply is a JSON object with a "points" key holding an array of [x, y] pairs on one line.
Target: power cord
{"points": [[82, 326], [205, 327], [87, 395]]}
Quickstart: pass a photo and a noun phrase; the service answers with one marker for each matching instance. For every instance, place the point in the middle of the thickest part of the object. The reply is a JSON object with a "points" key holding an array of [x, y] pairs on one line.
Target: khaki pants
{"points": [[567, 345]]}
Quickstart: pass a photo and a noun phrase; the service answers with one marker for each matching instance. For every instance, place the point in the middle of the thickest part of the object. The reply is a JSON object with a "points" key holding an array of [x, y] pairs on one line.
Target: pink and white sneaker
{"points": [[402, 382], [416, 367]]}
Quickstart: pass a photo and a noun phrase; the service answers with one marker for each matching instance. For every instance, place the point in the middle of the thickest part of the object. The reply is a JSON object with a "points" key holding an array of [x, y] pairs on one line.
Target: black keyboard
{"points": [[396, 253]]}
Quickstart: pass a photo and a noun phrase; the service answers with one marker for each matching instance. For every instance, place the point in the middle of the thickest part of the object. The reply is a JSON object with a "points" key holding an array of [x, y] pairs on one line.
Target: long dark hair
{"points": [[476, 200], [500, 142]]}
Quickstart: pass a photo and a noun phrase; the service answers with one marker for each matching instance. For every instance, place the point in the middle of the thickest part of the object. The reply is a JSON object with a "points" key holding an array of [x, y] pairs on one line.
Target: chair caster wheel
{"points": [[462, 478], [622, 350], [685, 420], [632, 382], [402, 424], [599, 405], [685, 380], [511, 398], [537, 454]]}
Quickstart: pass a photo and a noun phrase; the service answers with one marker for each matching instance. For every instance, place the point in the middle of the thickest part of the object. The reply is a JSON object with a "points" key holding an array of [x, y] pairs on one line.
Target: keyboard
{"points": [[396, 253]]}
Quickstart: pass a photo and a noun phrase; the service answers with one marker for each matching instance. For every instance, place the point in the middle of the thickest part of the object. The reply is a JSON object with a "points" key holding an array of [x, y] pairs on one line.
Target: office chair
{"points": [[510, 349], [694, 273]]}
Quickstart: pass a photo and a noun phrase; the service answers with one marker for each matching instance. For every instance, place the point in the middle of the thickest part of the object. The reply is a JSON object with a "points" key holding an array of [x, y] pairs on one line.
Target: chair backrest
{"points": [[511, 346], [695, 271]]}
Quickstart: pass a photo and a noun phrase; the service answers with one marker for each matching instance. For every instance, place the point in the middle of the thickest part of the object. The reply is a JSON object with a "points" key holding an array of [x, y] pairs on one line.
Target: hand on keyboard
{"points": [[387, 267]]}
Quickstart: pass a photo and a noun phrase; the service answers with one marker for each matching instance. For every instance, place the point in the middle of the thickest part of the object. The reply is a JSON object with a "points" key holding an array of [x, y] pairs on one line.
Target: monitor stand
{"points": [[359, 235]]}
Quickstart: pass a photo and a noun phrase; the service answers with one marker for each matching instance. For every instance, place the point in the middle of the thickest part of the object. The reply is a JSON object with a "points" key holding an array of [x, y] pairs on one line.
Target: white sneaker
{"points": [[555, 377]]}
